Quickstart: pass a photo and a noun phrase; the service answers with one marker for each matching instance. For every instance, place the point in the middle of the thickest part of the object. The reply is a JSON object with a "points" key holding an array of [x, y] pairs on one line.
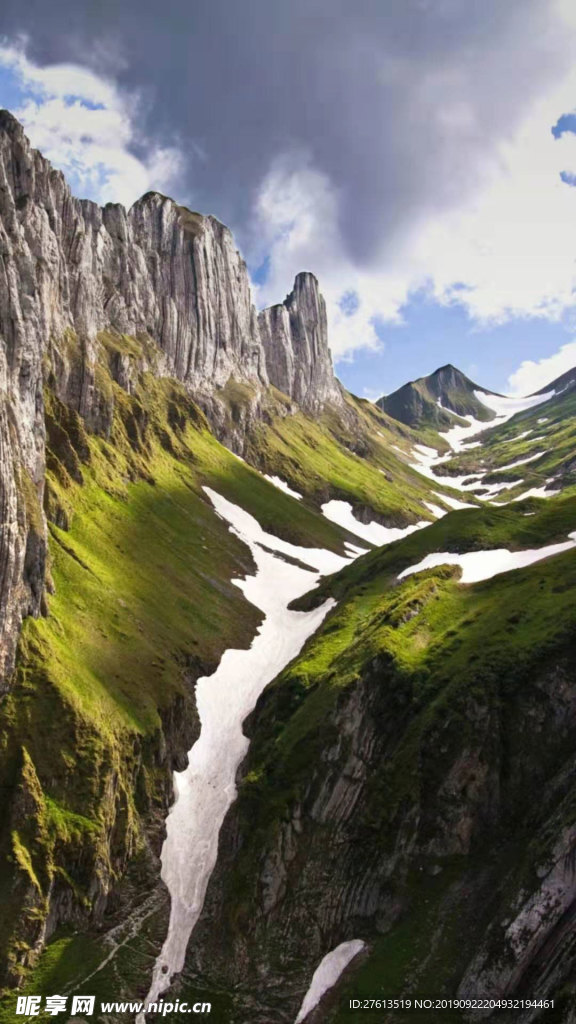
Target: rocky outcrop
{"points": [[295, 339]]}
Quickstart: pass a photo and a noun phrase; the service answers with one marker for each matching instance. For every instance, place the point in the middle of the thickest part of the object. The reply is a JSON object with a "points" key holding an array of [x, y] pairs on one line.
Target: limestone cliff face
{"points": [[157, 269], [295, 338], [70, 270]]}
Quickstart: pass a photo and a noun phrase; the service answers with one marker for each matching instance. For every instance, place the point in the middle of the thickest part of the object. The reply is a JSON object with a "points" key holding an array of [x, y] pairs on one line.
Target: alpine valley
{"points": [[288, 679]]}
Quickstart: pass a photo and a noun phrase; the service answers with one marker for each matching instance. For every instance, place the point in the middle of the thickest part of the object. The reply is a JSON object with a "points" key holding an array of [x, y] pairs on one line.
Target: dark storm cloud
{"points": [[396, 101]]}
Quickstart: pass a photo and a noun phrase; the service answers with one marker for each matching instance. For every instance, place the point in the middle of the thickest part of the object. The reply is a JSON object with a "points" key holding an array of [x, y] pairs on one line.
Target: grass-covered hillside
{"points": [[348, 456], [140, 602], [408, 781], [545, 435]]}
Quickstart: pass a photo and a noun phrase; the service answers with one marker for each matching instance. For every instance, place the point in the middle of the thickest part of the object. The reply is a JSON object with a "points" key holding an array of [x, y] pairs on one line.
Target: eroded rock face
{"points": [[295, 338], [345, 858], [157, 269], [69, 270]]}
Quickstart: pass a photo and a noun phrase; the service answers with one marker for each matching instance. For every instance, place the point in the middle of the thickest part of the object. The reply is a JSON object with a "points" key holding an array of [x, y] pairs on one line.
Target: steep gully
{"points": [[206, 788]]}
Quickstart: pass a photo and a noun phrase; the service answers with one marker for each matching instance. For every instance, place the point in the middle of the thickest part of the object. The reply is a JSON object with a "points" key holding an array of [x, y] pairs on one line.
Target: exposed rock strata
{"points": [[295, 338], [333, 865], [71, 270]]}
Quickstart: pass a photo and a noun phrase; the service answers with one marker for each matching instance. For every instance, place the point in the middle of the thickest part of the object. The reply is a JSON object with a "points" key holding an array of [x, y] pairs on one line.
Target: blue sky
{"points": [[433, 335], [481, 274]]}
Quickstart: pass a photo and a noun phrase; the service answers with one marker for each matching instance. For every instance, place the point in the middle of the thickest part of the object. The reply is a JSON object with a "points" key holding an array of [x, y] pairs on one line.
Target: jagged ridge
{"points": [[71, 270]]}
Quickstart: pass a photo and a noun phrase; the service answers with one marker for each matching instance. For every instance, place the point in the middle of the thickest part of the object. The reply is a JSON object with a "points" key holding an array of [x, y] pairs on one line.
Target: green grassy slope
{"points": [[550, 429], [350, 457], [453, 626], [141, 603], [451, 668]]}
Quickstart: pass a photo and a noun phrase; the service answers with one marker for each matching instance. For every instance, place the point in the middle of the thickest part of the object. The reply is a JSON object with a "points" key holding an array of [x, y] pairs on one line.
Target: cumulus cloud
{"points": [[508, 250], [533, 375], [389, 148], [85, 125]]}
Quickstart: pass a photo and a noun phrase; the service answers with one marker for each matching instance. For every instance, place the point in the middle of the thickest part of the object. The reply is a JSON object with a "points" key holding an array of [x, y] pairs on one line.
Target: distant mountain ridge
{"points": [[439, 400]]}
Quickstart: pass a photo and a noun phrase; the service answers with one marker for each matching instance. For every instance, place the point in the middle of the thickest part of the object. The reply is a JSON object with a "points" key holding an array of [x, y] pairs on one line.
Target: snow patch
{"points": [[206, 788], [340, 512], [518, 437], [453, 502], [327, 974], [506, 407], [483, 565], [519, 462], [539, 492], [435, 509], [283, 486]]}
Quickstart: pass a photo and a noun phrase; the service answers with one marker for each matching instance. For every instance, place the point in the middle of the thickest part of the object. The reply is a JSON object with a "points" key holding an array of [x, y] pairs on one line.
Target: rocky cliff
{"points": [[70, 271], [295, 339]]}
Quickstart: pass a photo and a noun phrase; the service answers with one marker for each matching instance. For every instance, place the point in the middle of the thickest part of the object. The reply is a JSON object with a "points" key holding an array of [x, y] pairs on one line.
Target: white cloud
{"points": [[533, 376], [507, 250], [297, 226], [86, 126]]}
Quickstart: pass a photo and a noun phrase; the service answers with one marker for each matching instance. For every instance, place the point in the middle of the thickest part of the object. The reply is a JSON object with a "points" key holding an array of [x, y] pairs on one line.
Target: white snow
{"points": [[283, 486], [482, 565], [505, 406], [428, 459], [518, 437], [435, 509], [327, 973], [539, 492], [519, 462], [457, 436], [340, 512], [206, 788], [354, 551], [544, 419], [453, 502]]}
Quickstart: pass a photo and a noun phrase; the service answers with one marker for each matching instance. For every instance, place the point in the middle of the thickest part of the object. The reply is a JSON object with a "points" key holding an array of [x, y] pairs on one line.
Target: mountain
{"points": [[437, 401], [77, 280], [565, 382], [388, 794], [216, 561], [134, 371], [295, 339]]}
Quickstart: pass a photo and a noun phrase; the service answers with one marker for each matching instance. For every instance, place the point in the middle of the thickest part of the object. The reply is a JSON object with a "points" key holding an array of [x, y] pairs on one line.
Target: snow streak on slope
{"points": [[482, 565], [435, 509], [206, 789], [427, 459], [327, 974], [453, 502], [341, 513], [283, 486]]}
